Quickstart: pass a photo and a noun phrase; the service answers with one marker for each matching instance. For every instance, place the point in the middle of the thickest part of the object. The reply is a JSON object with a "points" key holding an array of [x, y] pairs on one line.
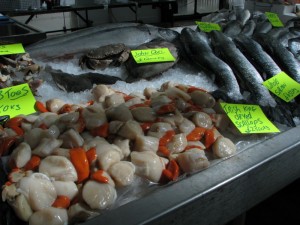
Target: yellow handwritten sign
{"points": [[16, 100], [283, 86], [249, 118], [208, 27], [274, 19], [11, 49], [152, 55]]}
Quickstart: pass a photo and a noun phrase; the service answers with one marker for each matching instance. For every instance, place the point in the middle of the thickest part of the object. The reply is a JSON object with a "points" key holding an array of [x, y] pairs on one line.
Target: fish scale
{"points": [[255, 52], [247, 74], [197, 46], [284, 58]]}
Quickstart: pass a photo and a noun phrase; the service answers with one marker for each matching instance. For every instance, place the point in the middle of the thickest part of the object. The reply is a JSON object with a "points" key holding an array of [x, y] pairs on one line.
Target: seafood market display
{"points": [[69, 161], [106, 124], [18, 69]]}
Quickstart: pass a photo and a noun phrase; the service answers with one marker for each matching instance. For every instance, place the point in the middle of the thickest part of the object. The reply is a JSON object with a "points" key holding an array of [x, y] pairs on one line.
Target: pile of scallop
{"points": [[69, 161]]}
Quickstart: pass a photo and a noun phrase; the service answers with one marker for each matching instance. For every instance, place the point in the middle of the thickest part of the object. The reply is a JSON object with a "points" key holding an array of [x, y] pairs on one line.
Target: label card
{"points": [[274, 19], [152, 55], [283, 86], [208, 27], [11, 49], [249, 119], [16, 100]]}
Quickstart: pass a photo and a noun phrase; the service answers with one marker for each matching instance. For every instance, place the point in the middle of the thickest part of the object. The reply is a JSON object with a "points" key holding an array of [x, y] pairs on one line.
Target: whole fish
{"points": [[77, 83], [82, 41], [283, 57], [247, 74], [198, 49], [262, 61], [148, 70], [256, 54]]}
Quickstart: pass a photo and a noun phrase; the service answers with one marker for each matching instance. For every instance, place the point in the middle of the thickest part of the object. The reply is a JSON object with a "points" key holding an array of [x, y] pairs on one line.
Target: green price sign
{"points": [[249, 119], [16, 100], [283, 86], [152, 55], [208, 27], [274, 19], [11, 49]]}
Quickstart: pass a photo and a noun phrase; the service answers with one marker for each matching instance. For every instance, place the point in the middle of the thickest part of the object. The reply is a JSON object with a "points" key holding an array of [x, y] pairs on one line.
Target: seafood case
{"points": [[114, 141]]}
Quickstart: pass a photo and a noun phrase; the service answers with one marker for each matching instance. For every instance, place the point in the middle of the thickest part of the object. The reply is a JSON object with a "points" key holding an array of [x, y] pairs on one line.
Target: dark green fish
{"points": [[198, 49], [282, 56], [247, 75], [256, 54], [78, 83], [263, 62]]}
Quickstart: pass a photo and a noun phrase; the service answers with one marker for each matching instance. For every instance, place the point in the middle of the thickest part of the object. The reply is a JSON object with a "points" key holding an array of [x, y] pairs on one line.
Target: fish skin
{"points": [[254, 52], [282, 34], [247, 75], [249, 28], [77, 83], [82, 41], [263, 27], [232, 28], [149, 70], [244, 16], [283, 57], [198, 48], [261, 60], [294, 47]]}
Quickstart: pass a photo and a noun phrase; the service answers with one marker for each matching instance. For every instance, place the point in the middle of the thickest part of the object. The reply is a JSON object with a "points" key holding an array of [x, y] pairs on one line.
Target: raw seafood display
{"points": [[79, 156], [68, 161], [18, 69]]}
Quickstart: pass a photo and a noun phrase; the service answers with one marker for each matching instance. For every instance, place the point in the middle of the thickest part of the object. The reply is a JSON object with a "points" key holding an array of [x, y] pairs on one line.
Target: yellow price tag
{"points": [[16, 100], [11, 49], [152, 55], [274, 19], [249, 119], [208, 27], [283, 86]]}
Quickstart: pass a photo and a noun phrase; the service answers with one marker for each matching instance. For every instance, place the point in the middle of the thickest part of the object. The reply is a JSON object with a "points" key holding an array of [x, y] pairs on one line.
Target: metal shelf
{"points": [[221, 192]]}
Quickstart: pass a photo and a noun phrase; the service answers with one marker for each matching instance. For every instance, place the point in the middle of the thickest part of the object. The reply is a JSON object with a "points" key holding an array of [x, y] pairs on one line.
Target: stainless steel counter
{"points": [[221, 192]]}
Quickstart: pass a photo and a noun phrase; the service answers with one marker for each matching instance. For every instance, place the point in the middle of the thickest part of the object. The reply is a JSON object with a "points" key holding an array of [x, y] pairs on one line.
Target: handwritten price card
{"points": [[274, 19], [11, 49], [283, 86], [208, 27], [152, 55], [249, 118], [16, 100]]}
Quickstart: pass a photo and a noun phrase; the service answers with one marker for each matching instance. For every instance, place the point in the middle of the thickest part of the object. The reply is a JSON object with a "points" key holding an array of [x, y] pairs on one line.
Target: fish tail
{"points": [[221, 94], [280, 114]]}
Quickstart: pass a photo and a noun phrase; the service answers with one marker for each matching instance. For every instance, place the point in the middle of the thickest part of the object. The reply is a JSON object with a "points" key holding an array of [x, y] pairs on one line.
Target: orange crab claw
{"points": [[40, 107], [62, 201], [98, 176], [196, 134], [164, 140], [80, 162]]}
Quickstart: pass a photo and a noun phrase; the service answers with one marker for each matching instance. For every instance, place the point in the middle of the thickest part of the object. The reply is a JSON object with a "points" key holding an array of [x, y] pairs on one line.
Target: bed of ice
{"points": [[181, 73]]}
